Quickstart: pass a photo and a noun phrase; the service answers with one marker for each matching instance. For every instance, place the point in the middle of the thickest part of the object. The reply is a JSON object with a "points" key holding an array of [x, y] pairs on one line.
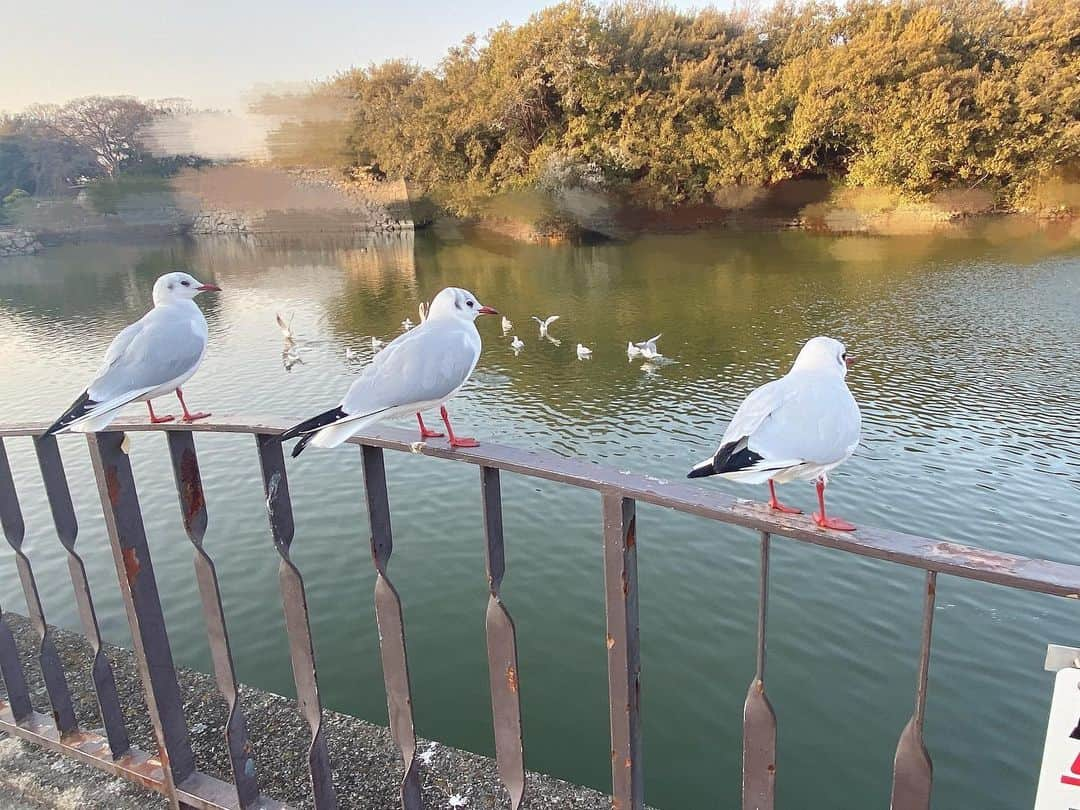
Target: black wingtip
{"points": [[79, 408], [307, 428], [298, 448], [702, 470]]}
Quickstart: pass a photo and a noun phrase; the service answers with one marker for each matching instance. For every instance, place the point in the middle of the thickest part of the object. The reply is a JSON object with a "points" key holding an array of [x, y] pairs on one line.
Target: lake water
{"points": [[967, 378]]}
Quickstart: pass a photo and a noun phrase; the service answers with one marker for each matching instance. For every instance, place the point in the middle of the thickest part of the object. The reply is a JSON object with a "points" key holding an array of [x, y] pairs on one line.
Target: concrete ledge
{"points": [[367, 767]]}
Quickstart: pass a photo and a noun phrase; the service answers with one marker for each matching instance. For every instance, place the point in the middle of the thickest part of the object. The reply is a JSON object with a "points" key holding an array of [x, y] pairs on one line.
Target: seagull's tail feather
{"points": [[309, 426]]}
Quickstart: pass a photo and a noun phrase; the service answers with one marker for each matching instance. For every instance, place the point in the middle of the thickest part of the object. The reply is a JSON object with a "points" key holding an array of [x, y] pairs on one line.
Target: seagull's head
{"points": [[454, 302], [179, 287], [824, 354]]}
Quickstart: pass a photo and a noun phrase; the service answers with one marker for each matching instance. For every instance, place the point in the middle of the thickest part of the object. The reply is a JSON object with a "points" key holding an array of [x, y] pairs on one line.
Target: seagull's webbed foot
{"points": [[157, 420], [834, 523], [776, 506], [189, 417], [425, 432], [456, 441], [823, 520]]}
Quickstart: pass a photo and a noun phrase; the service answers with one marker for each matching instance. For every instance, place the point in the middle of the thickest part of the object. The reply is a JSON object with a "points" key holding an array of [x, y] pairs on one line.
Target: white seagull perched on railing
{"points": [[797, 428], [153, 356], [420, 369], [544, 324]]}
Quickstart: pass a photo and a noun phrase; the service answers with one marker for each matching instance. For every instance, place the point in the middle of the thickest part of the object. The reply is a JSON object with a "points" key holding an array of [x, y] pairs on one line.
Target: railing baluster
{"points": [[502, 647], [297, 624], [18, 693], [759, 719], [913, 771], [624, 654], [391, 622], [135, 572], [52, 669], [185, 464], [67, 529]]}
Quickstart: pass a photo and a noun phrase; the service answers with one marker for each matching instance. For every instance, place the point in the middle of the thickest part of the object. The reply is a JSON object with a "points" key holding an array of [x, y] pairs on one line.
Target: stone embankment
{"points": [[18, 242]]}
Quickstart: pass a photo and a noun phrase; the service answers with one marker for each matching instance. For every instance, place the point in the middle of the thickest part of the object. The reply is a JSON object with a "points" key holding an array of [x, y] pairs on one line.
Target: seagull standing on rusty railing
{"points": [[796, 428], [420, 369], [153, 356]]}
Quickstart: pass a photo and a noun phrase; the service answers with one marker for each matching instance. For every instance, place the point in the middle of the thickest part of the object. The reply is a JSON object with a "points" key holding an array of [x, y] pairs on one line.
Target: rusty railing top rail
{"points": [[969, 562]]}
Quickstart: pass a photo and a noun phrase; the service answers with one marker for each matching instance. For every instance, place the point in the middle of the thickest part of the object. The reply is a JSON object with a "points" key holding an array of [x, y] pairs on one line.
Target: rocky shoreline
{"points": [[18, 242]]}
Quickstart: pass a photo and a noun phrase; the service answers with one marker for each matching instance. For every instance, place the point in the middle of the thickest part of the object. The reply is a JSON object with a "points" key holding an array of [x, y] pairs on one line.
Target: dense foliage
{"points": [[667, 107]]}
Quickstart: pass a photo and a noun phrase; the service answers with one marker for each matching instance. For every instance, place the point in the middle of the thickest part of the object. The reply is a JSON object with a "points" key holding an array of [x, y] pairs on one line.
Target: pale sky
{"points": [[214, 52]]}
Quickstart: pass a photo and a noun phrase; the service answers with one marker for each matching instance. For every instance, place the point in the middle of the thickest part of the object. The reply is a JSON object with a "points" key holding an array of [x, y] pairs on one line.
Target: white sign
{"points": [[1059, 779]]}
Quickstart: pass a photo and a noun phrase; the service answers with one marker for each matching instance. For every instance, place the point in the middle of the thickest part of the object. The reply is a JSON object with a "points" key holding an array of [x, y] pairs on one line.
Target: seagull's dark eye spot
{"points": [[470, 303], [186, 283]]}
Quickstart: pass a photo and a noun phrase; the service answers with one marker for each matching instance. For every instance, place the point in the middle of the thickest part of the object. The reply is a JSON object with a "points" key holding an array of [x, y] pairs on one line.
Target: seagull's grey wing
{"points": [[427, 367], [754, 410], [151, 352], [818, 422]]}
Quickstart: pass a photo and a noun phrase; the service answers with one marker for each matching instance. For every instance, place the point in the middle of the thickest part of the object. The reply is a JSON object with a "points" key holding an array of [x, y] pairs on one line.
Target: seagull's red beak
{"points": [[849, 360], [487, 311], [208, 288]]}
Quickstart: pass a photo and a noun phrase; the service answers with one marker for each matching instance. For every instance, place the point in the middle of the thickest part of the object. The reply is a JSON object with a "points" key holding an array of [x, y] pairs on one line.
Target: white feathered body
{"points": [[802, 425], [153, 356], [421, 369]]}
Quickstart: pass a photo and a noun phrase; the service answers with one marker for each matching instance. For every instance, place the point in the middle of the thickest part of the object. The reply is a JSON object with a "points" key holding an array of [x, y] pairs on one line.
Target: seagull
{"points": [[156, 354], [423, 310], [418, 370], [796, 428], [377, 344], [350, 353], [647, 348], [545, 324], [517, 344], [290, 357], [583, 352], [407, 324], [632, 350], [507, 324]]}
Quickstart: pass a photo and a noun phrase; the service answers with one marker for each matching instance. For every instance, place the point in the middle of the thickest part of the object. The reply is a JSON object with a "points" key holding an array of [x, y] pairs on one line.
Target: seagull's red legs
{"points": [[779, 507], [157, 420], [820, 518], [456, 441], [424, 432], [188, 417]]}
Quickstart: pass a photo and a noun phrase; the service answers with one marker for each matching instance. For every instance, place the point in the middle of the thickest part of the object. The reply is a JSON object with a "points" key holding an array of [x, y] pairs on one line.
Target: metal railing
{"points": [[171, 771]]}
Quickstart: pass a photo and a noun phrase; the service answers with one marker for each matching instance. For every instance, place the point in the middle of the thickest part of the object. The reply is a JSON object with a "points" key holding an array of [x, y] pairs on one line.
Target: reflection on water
{"points": [[967, 348]]}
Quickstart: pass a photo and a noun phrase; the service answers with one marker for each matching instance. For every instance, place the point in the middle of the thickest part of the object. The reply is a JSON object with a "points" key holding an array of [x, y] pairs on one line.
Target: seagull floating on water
{"points": [[416, 371], [544, 324], [507, 324], [377, 344], [407, 324], [799, 427], [153, 356], [583, 352], [647, 348], [517, 344]]}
